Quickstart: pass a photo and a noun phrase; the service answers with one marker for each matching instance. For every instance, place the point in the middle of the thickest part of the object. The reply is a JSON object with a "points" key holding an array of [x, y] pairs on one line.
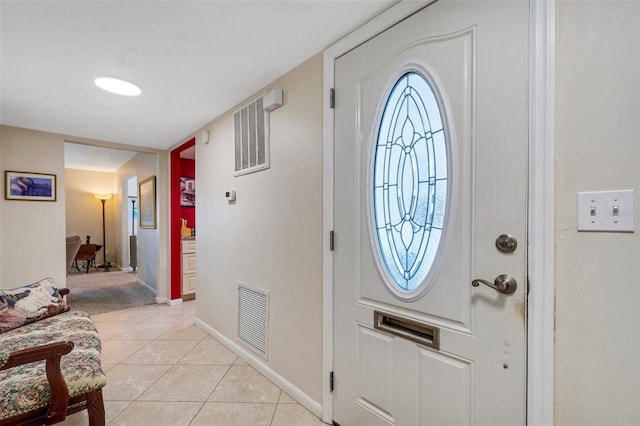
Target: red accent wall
{"points": [[176, 214]]}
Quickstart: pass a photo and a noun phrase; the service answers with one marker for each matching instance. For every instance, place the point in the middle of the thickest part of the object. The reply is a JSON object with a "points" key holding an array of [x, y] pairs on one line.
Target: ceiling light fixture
{"points": [[117, 86]]}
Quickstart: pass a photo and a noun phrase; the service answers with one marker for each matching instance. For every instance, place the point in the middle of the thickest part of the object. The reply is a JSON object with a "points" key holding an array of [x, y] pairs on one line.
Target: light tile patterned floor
{"points": [[163, 370]]}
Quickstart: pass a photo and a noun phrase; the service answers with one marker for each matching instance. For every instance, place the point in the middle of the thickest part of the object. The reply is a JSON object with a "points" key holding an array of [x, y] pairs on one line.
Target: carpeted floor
{"points": [[98, 292]]}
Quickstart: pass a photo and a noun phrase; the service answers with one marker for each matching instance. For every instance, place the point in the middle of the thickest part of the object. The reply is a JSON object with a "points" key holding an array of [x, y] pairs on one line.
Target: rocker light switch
{"points": [[608, 211]]}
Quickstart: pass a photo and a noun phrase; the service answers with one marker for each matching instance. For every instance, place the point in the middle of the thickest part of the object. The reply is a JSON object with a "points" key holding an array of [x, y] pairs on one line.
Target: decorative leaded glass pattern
{"points": [[410, 182]]}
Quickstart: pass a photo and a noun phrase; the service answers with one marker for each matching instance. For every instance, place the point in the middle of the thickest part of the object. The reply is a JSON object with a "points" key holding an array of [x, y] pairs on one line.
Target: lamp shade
{"points": [[102, 196]]}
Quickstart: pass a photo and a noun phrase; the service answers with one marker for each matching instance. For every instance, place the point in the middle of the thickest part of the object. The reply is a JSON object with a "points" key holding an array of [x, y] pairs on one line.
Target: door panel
{"points": [[454, 55], [474, 56], [376, 364], [453, 378]]}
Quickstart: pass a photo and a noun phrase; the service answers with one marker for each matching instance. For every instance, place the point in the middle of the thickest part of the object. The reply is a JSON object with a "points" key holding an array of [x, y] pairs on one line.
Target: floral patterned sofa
{"points": [[50, 362]]}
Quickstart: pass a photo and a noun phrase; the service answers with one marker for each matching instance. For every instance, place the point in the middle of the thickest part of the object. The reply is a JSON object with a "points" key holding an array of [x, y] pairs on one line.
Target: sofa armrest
{"points": [[51, 353]]}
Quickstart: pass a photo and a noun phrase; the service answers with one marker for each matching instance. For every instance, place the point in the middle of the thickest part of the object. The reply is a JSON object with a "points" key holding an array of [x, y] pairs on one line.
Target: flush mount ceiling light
{"points": [[117, 86]]}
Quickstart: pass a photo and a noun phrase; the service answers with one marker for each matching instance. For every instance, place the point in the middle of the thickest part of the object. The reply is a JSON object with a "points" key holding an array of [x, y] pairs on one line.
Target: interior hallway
{"points": [[163, 370]]}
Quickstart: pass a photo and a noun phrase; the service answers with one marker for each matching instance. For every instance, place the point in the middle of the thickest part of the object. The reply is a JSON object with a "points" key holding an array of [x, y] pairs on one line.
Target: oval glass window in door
{"points": [[410, 184]]}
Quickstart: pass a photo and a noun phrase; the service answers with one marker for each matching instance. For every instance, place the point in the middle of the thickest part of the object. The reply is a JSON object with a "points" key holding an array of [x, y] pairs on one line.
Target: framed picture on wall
{"points": [[28, 186], [147, 198], [187, 192]]}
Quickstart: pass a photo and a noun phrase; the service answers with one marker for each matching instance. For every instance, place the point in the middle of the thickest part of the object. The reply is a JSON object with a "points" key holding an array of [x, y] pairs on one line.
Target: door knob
{"points": [[505, 284]]}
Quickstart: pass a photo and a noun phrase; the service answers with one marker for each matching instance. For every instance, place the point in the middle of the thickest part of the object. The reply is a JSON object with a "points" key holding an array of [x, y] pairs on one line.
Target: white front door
{"points": [[430, 169]]}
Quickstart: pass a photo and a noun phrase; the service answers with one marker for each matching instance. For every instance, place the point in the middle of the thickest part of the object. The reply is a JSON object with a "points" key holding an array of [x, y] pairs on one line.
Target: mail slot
{"points": [[415, 331]]}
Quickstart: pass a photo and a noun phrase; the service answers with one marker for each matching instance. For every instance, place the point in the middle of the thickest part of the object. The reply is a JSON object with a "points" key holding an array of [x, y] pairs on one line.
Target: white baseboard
{"points": [[172, 302], [294, 392]]}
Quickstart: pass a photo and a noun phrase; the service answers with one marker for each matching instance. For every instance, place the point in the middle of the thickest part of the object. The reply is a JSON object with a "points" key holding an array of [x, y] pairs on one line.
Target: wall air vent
{"points": [[251, 137], [253, 319]]}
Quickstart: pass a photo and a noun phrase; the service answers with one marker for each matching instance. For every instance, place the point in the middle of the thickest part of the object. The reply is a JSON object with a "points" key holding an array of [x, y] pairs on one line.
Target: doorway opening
{"points": [[131, 198], [100, 183], [183, 214], [541, 182]]}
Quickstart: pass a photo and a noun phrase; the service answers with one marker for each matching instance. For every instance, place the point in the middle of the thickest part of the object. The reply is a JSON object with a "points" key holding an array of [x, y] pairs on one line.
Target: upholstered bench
{"points": [[51, 368]]}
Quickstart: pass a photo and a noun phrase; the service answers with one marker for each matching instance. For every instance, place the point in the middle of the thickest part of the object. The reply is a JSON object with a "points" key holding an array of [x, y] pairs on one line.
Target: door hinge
{"points": [[331, 241], [332, 98], [331, 382]]}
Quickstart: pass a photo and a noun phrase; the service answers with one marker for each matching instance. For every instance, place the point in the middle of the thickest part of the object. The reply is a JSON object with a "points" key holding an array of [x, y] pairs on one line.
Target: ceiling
{"points": [[193, 60], [87, 157], [101, 159]]}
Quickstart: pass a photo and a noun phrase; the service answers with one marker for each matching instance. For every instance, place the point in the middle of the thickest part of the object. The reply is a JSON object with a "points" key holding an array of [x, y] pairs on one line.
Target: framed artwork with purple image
{"points": [[28, 186]]}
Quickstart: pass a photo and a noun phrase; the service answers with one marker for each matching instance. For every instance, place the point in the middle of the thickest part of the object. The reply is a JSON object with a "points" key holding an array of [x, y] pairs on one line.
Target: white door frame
{"points": [[541, 225]]}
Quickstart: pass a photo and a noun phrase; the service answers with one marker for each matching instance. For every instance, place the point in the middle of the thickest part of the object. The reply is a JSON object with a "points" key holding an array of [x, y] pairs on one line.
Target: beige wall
{"points": [[597, 360], [270, 237], [32, 233], [142, 165], [84, 210]]}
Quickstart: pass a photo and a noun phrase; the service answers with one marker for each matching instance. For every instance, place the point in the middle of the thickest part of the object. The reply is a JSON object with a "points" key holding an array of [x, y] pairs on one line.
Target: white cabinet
{"points": [[188, 269]]}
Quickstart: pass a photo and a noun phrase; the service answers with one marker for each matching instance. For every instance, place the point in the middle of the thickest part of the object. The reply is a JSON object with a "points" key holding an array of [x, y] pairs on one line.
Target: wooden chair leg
{"points": [[95, 408]]}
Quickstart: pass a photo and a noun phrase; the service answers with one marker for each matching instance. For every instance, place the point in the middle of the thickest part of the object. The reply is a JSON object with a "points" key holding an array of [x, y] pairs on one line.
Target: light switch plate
{"points": [[608, 211]]}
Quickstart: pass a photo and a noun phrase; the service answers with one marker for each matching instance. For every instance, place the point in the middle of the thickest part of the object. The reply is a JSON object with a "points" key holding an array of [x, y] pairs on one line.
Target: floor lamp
{"points": [[106, 265]]}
